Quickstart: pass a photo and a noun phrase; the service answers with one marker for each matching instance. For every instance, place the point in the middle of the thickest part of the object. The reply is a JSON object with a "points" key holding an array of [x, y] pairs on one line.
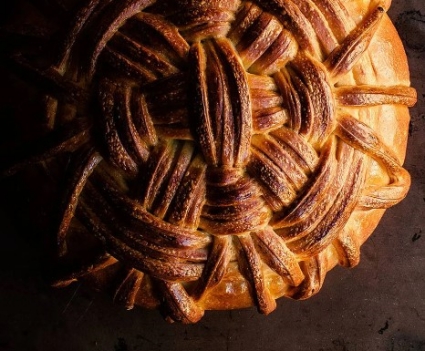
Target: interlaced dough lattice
{"points": [[213, 146]]}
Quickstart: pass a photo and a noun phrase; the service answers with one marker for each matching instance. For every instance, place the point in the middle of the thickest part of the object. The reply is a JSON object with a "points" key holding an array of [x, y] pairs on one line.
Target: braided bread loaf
{"points": [[223, 153]]}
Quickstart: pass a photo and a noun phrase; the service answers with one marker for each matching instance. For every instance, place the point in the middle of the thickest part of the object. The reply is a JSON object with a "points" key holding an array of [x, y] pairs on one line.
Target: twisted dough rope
{"points": [[212, 118]]}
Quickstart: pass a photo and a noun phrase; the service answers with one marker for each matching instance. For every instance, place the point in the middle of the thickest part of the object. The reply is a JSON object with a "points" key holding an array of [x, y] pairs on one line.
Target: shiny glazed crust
{"points": [[222, 153]]}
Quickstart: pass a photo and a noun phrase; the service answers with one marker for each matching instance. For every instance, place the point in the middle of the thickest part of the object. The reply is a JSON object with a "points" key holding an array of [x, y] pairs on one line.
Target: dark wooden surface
{"points": [[379, 305]]}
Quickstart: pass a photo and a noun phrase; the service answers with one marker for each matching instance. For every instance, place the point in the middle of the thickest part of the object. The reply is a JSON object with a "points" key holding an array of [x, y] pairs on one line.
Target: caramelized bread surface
{"points": [[217, 154]]}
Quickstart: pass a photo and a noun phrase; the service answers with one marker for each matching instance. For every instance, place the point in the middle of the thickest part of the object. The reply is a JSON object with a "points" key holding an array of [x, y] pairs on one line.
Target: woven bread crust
{"points": [[222, 154]]}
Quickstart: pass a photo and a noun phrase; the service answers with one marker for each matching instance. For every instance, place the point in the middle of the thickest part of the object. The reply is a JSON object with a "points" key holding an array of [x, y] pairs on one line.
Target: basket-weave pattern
{"points": [[213, 136]]}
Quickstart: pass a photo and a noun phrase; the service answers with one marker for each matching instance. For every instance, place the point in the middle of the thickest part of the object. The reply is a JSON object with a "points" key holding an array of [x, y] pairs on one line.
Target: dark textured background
{"points": [[379, 305]]}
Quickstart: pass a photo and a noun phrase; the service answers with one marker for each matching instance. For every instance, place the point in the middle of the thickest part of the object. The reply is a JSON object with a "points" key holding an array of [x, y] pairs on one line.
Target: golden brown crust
{"points": [[230, 152]]}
